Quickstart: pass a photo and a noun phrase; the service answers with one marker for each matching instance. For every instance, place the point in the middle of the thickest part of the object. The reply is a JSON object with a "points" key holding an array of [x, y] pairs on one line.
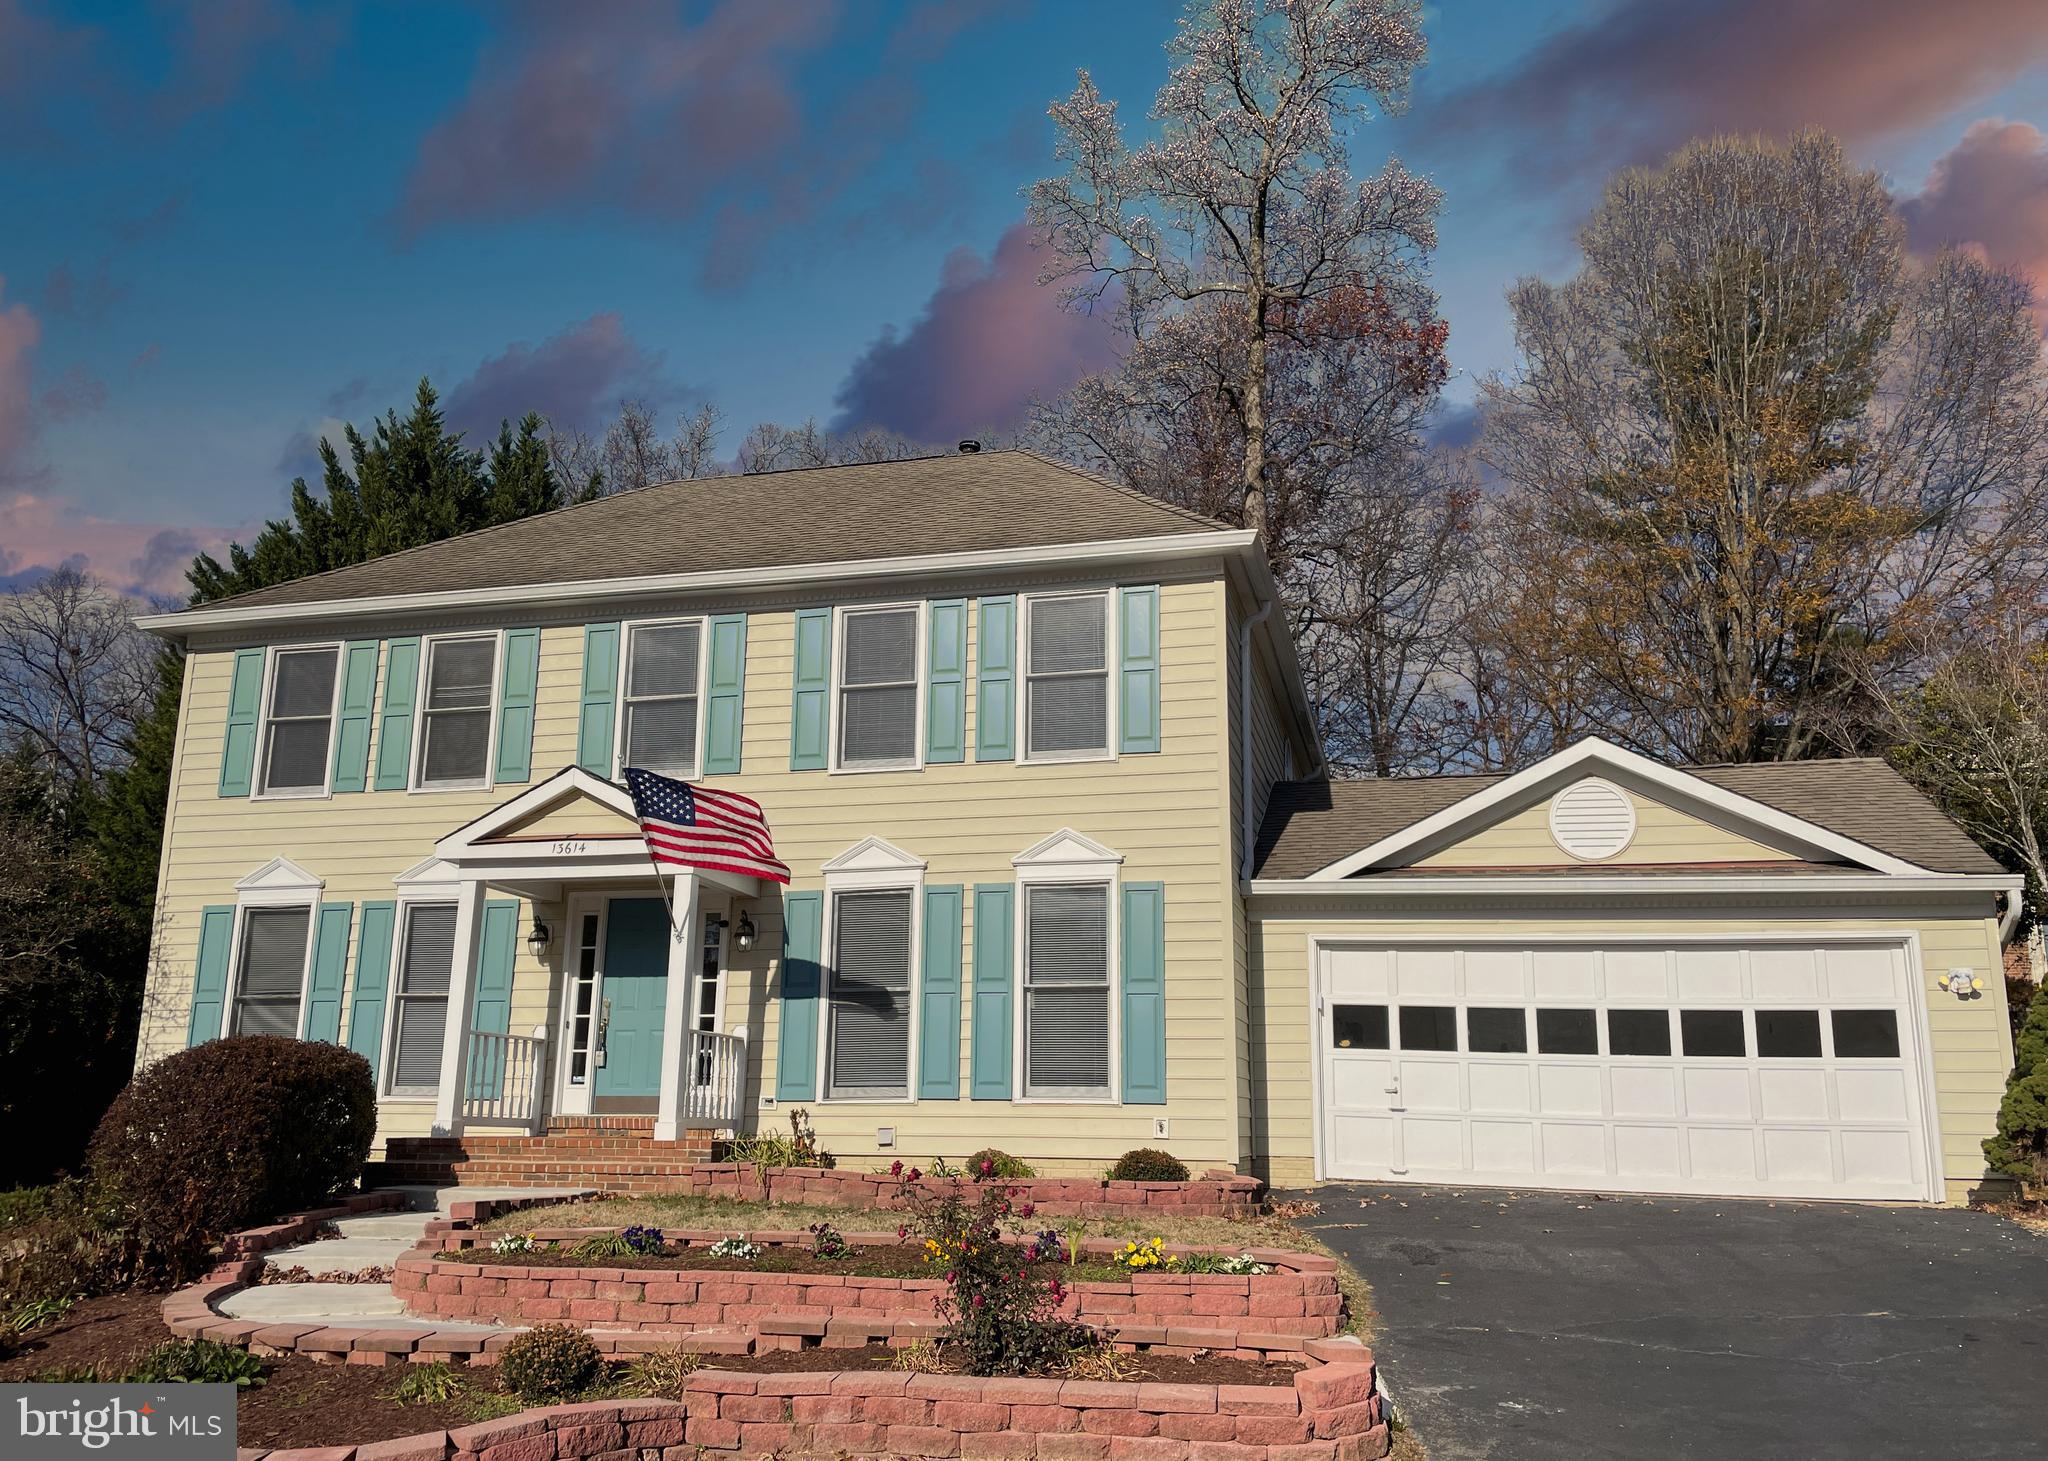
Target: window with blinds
{"points": [[868, 1051], [878, 688], [662, 665], [299, 720], [455, 713], [1066, 676], [272, 971], [1066, 991], [426, 960]]}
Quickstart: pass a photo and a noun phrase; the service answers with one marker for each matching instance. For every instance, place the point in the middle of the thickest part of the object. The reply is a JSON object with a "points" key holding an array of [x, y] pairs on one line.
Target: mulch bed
{"points": [[305, 1404], [891, 1261]]}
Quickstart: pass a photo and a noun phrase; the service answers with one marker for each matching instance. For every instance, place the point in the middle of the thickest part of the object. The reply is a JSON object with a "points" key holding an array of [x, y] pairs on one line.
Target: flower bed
{"points": [[1215, 1194], [1298, 1298], [1331, 1412]]}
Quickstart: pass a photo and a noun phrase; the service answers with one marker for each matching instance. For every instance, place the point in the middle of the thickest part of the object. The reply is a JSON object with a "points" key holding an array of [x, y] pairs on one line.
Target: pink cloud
{"points": [[1989, 193], [41, 531], [575, 378], [19, 332], [991, 338], [1642, 76]]}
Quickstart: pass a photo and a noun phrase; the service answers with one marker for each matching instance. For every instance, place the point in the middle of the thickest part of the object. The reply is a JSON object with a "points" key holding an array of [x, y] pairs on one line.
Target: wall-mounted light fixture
{"points": [[744, 934], [538, 937]]}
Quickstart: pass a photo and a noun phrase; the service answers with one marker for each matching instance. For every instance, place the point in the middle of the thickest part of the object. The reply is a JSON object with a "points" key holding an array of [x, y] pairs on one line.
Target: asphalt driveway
{"points": [[1519, 1326]]}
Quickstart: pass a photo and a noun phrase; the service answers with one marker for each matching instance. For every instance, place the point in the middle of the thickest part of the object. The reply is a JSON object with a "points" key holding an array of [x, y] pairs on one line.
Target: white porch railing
{"points": [[712, 1071], [505, 1077]]}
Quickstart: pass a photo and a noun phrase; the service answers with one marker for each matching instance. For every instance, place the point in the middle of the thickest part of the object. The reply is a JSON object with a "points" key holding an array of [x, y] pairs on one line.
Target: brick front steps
{"points": [[612, 1153], [1332, 1412], [1299, 1298]]}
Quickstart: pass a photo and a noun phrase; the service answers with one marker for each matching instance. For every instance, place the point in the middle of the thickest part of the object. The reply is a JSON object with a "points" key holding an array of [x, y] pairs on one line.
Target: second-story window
{"points": [[298, 721], [455, 712], [662, 666], [1066, 677], [878, 688]]}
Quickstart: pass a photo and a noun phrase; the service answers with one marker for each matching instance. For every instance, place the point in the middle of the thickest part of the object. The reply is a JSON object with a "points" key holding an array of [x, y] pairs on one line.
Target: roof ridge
{"points": [[1101, 481]]}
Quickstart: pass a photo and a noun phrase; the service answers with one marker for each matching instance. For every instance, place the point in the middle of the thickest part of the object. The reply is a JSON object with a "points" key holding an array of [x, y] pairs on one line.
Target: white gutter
{"points": [[1250, 832], [2015, 904], [1162, 548], [1366, 890]]}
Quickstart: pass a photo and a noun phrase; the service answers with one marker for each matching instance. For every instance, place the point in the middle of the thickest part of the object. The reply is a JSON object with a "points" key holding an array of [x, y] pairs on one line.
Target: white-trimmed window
{"points": [[270, 970], [456, 680], [1066, 676], [664, 668], [868, 1052], [419, 1017], [879, 662], [298, 721], [1066, 990]]}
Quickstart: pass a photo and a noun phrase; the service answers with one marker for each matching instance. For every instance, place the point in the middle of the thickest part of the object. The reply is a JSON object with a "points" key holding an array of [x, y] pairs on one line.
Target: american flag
{"points": [[695, 826]]}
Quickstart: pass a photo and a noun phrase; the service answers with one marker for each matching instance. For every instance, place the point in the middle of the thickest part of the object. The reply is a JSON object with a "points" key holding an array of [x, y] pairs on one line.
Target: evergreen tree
{"points": [[522, 473]]}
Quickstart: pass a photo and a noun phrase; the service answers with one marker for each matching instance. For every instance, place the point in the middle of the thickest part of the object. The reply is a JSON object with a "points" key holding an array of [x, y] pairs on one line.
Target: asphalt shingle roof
{"points": [[981, 502], [1311, 824]]}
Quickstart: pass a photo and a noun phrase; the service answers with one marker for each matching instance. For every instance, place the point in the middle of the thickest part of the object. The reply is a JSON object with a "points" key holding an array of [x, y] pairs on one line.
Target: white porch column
{"points": [[469, 917], [685, 964]]}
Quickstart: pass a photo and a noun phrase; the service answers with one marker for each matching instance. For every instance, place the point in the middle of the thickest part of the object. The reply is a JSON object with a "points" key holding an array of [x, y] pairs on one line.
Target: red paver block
{"points": [[1348, 1420], [1045, 1419], [921, 1440], [1183, 1427], [1329, 1386], [967, 1415], [1119, 1423], [1272, 1430]]}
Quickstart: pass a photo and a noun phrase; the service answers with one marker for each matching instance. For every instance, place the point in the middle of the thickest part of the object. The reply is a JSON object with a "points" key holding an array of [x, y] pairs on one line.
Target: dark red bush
{"points": [[231, 1134]]}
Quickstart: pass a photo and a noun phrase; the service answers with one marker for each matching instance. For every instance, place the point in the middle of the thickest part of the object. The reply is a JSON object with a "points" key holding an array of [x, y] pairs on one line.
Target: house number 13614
{"points": [[569, 849]]}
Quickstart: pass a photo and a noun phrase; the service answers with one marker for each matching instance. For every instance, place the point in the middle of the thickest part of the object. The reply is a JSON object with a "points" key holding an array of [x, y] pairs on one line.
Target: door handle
{"points": [[604, 1025]]}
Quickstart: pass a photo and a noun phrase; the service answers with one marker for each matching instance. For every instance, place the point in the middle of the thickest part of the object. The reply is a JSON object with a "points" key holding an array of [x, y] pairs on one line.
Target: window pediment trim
{"points": [[1067, 854], [874, 855], [279, 880]]}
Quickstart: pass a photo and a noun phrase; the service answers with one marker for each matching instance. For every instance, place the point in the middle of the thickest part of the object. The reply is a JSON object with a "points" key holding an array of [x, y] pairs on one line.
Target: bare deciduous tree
{"points": [[632, 453], [1245, 198], [1761, 450], [773, 448], [75, 674]]}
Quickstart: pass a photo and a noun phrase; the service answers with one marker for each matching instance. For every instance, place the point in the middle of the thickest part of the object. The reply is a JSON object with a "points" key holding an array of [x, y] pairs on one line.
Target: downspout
{"points": [[2010, 918], [1250, 832]]}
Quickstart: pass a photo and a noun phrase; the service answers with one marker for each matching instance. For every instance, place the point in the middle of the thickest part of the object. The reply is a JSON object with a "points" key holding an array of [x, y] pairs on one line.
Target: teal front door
{"points": [[635, 996]]}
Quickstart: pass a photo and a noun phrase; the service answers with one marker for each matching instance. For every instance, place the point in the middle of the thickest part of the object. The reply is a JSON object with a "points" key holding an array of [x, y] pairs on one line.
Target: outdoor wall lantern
{"points": [[537, 938], [744, 934]]}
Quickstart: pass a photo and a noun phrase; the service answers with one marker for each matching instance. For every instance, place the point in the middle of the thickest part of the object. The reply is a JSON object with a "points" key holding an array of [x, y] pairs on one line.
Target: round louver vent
{"points": [[1592, 819]]}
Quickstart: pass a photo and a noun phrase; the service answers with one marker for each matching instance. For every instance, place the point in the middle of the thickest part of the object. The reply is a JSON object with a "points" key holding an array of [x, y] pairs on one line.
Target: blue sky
{"points": [[232, 224]]}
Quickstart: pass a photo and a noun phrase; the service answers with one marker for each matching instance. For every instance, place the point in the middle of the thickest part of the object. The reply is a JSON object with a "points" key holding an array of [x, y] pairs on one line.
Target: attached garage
{"points": [[1604, 974]]}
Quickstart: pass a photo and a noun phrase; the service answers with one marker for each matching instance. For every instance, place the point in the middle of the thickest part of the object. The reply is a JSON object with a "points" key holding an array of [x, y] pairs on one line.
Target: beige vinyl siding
{"points": [[1164, 813], [1664, 834], [1970, 1040]]}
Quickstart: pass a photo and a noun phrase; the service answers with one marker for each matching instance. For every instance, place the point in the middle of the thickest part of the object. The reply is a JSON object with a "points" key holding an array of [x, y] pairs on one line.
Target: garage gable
{"points": [[1596, 805]]}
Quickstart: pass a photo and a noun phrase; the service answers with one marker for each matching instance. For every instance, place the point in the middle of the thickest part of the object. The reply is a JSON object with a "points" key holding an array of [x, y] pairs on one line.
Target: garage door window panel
{"points": [[1567, 1032], [1788, 1034], [1429, 1027], [1491, 1031], [1713, 1034], [1358, 1026], [1639, 1032], [1866, 1034]]}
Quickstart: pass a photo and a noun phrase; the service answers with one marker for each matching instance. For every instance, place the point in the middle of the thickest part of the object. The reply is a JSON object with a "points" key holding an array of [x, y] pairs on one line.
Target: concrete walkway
{"points": [[372, 1240]]}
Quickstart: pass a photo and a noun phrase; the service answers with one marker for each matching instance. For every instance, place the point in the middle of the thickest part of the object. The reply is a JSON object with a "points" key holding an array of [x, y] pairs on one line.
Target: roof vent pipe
{"points": [[969, 446]]}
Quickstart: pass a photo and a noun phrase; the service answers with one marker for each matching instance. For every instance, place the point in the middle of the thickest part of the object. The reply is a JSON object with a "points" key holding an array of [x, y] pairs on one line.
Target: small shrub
{"points": [[549, 1362], [991, 1165], [920, 1356], [72, 1375], [2020, 1149], [828, 1242], [660, 1374], [1099, 1362], [196, 1362], [603, 1245], [231, 1133], [35, 1313], [736, 1246], [1148, 1164], [433, 1384], [643, 1240], [772, 1149], [75, 1249]]}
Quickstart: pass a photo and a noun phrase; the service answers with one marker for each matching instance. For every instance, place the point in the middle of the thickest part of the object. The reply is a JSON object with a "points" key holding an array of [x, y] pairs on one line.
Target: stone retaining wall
{"points": [[303, 1227], [1214, 1194], [1300, 1298], [1332, 1412]]}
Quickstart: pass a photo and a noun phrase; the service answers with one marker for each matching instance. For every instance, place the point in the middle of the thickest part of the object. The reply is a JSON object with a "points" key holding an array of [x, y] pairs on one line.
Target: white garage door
{"points": [[1764, 1070]]}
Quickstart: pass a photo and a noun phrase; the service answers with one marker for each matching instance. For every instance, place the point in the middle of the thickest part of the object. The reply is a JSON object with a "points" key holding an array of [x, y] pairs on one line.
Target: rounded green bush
{"points": [[230, 1134], [994, 1164], [1148, 1164], [549, 1362]]}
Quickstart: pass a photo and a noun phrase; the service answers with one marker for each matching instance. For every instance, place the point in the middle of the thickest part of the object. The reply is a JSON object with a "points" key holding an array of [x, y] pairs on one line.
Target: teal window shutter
{"points": [[497, 944], [810, 710], [994, 912], [1138, 636], [938, 1032], [322, 1019], [373, 969], [394, 722], [726, 693], [210, 977], [358, 700], [245, 703], [518, 686], [945, 714], [594, 739], [995, 680], [1144, 977], [803, 950]]}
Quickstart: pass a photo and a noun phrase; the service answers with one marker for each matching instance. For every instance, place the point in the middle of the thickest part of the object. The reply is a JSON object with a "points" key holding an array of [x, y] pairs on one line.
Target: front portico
{"points": [[629, 998]]}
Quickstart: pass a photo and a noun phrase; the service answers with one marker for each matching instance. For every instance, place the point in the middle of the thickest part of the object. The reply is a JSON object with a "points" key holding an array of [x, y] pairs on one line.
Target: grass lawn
{"points": [[685, 1211]]}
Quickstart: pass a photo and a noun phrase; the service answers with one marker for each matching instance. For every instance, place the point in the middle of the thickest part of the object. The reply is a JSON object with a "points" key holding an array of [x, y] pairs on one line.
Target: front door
{"points": [[635, 994]]}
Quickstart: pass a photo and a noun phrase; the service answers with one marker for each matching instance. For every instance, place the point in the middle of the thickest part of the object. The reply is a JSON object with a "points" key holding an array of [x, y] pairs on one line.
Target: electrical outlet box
{"points": [[767, 1103], [1161, 1127]]}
